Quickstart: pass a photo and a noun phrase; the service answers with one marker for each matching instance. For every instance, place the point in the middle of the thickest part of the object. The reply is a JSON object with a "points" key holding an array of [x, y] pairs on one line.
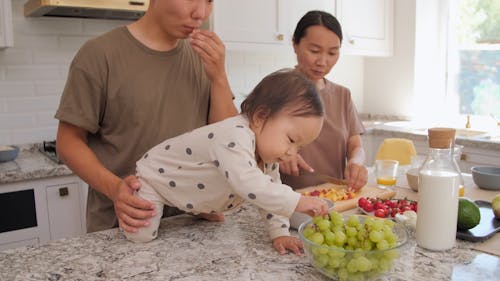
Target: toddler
{"points": [[216, 167]]}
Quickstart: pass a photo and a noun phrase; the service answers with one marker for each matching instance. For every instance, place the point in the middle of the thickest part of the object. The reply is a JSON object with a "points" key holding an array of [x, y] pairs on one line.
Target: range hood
{"points": [[103, 9]]}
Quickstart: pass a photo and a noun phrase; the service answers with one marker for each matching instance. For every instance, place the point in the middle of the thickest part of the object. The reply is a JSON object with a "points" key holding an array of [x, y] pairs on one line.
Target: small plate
{"points": [[488, 225], [372, 213]]}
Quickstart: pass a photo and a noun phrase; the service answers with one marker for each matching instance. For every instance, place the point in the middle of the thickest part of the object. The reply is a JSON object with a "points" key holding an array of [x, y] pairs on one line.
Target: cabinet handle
{"points": [[463, 157], [280, 37], [63, 191]]}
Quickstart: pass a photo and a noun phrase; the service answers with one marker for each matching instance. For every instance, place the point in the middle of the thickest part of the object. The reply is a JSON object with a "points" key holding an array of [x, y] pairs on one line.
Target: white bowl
{"points": [[412, 178], [298, 218], [486, 177]]}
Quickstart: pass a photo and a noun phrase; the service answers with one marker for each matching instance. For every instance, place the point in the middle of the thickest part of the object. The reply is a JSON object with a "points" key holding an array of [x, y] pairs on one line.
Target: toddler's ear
{"points": [[260, 116]]}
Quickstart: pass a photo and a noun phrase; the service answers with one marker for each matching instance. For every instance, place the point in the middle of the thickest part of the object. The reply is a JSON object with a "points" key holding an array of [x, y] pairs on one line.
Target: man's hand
{"points": [[293, 164], [132, 212], [211, 51]]}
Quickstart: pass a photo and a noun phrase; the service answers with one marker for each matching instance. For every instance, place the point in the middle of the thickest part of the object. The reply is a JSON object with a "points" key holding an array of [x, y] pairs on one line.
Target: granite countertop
{"points": [[238, 249], [30, 164]]}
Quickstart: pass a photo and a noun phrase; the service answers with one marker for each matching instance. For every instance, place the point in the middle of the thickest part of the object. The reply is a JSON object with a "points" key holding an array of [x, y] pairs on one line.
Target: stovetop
{"points": [[48, 148]]}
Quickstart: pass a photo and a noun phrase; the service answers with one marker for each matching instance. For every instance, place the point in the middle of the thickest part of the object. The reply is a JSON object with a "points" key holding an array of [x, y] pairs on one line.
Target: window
{"points": [[473, 60]]}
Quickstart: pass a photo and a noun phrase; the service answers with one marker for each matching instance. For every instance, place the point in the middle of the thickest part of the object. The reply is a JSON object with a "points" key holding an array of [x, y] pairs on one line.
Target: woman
{"points": [[338, 150]]}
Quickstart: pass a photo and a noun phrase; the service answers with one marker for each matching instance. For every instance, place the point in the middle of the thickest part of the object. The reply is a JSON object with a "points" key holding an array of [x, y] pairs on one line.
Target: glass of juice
{"points": [[386, 172]]}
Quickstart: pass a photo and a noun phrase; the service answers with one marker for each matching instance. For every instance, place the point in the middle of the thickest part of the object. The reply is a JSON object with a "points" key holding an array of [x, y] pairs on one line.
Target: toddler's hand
{"points": [[312, 206], [283, 243]]}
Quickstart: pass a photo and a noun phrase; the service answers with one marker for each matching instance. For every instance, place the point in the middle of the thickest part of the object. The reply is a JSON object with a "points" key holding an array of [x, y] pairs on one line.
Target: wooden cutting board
{"points": [[366, 191]]}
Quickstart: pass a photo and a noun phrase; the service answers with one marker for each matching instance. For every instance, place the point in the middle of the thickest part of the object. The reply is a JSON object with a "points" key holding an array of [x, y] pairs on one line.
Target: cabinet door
{"points": [[256, 21], [64, 210], [298, 8], [6, 37], [367, 26]]}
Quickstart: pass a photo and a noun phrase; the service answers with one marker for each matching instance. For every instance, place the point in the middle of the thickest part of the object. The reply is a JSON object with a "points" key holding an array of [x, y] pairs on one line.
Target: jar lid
{"points": [[443, 138]]}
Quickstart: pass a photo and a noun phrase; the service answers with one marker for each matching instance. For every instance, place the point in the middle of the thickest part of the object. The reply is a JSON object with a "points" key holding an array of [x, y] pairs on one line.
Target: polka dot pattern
{"points": [[273, 167], [201, 186], [231, 196], [230, 206], [216, 163], [240, 126], [284, 226], [145, 156], [251, 196], [231, 144], [172, 183], [161, 170], [269, 216], [189, 206], [189, 151], [227, 174], [211, 135], [167, 147]]}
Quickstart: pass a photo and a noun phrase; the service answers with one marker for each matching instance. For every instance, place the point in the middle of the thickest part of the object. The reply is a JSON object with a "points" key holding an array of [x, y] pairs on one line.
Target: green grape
{"points": [[340, 238], [353, 221], [323, 224], [364, 264], [329, 236], [382, 245], [389, 223], [391, 254], [317, 238], [316, 219], [391, 237], [351, 231], [308, 231], [376, 236], [353, 242], [321, 261], [333, 262], [367, 245], [343, 274], [362, 234], [352, 266]]}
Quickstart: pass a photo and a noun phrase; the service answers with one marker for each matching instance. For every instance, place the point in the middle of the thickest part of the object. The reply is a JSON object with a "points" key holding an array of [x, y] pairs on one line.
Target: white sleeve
{"points": [[234, 157]]}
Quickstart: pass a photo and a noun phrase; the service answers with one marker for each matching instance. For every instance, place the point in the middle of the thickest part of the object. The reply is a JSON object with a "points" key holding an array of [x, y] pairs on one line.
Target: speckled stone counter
{"points": [[30, 164], [238, 249]]}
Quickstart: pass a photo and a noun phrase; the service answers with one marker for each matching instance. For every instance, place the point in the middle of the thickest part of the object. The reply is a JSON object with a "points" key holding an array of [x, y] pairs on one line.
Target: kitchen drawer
{"points": [[63, 207]]}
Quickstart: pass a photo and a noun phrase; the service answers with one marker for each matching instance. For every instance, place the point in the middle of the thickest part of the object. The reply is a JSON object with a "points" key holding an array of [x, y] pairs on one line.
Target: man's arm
{"points": [[212, 52], [131, 211]]}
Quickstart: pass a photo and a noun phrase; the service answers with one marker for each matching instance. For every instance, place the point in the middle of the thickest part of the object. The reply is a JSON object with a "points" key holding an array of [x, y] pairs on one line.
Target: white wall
{"points": [[33, 72]]}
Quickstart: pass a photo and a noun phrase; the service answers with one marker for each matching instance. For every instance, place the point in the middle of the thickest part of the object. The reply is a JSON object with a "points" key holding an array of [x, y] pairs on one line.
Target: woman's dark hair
{"points": [[316, 18], [283, 89]]}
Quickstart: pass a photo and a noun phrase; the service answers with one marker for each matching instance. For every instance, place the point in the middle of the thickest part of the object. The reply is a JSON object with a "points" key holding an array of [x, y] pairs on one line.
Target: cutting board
{"points": [[366, 191]]}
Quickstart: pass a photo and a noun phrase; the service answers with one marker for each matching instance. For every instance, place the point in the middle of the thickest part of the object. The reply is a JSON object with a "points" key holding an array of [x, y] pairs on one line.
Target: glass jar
{"points": [[438, 189]]}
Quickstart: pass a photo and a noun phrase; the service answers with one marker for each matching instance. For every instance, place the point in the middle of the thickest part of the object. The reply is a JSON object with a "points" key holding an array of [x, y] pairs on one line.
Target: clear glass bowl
{"points": [[341, 264]]}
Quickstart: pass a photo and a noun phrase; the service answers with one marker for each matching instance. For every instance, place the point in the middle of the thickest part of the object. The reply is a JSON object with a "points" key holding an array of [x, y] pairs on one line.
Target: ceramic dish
{"points": [[8, 153], [488, 225], [486, 177], [397, 202]]}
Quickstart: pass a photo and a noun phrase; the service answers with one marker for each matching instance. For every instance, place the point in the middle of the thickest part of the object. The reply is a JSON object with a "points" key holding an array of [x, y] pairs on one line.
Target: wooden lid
{"points": [[443, 138]]}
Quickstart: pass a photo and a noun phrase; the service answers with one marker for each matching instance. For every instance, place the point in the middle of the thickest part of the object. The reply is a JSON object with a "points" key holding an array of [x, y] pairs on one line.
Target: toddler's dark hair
{"points": [[284, 89]]}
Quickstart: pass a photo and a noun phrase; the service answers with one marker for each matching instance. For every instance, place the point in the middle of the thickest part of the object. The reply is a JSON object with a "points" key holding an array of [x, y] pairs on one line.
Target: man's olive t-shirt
{"points": [[130, 98]]}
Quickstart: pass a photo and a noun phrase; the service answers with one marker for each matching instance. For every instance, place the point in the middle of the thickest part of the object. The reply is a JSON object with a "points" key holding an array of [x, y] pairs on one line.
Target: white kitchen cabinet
{"points": [[368, 26], [261, 24], [59, 210], [6, 34], [472, 156]]}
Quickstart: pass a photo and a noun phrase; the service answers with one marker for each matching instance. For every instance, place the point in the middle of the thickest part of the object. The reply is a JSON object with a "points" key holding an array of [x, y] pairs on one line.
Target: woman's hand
{"points": [[293, 164], [132, 212], [313, 206], [283, 243], [357, 175]]}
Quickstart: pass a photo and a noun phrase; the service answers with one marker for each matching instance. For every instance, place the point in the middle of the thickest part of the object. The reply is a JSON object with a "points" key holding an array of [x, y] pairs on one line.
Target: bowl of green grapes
{"points": [[354, 247]]}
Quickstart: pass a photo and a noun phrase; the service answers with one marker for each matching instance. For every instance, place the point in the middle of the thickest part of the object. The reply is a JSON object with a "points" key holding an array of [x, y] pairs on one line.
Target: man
{"points": [[132, 88]]}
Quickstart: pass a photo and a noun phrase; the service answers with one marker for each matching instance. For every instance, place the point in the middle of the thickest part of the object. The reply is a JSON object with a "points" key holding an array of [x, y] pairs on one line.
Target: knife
{"points": [[327, 178]]}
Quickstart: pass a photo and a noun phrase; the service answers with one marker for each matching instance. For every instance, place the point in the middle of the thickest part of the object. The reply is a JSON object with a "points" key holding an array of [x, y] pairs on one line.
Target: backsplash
{"points": [[33, 72]]}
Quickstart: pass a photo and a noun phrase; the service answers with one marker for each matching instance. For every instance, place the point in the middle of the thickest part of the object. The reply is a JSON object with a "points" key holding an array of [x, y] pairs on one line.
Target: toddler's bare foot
{"points": [[218, 217]]}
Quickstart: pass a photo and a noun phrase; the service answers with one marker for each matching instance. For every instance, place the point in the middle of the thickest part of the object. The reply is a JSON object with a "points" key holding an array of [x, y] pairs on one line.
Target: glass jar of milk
{"points": [[439, 183]]}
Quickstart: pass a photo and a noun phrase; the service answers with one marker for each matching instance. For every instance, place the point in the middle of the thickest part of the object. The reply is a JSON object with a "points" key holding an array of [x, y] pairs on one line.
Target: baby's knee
{"points": [[141, 235]]}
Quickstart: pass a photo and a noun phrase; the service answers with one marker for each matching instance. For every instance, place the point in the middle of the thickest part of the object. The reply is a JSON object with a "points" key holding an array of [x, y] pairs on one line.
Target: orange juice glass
{"points": [[386, 172]]}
